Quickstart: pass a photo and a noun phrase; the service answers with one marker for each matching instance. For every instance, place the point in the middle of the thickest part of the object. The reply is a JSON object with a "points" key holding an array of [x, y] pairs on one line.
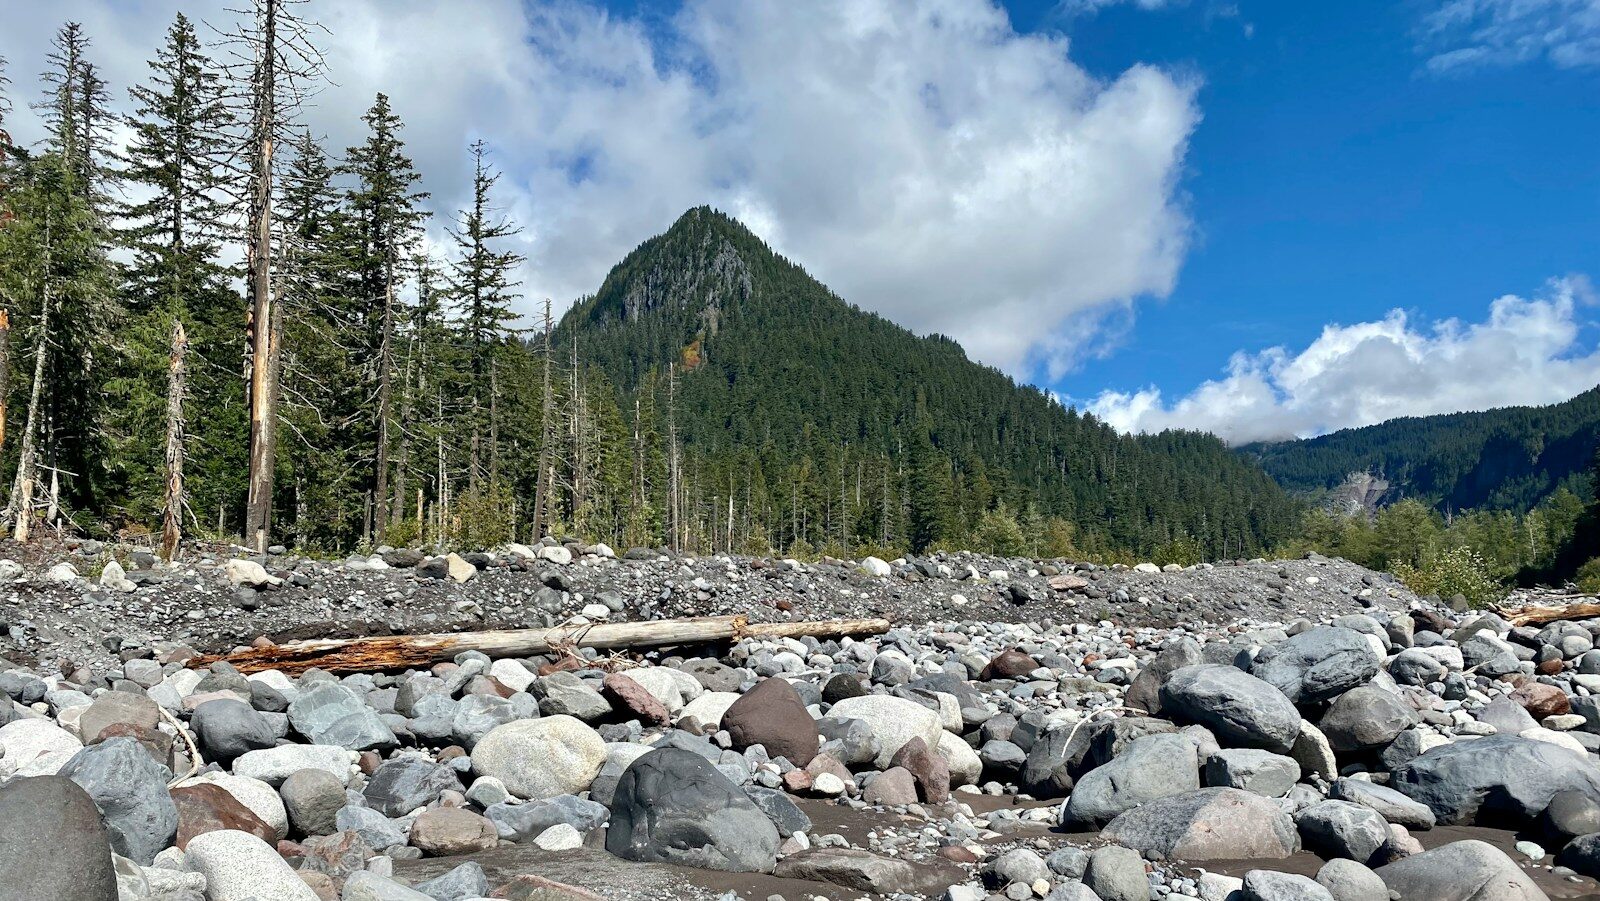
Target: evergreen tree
{"points": [[482, 282], [385, 212]]}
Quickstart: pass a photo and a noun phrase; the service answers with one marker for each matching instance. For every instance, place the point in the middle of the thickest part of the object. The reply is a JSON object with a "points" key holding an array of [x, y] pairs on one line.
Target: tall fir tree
{"points": [[386, 213]]}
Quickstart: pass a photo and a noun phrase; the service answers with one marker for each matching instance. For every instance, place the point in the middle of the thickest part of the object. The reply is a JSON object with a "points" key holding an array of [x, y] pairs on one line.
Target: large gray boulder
{"points": [[1501, 780], [1461, 871], [672, 806], [524, 822], [1237, 706], [1366, 718], [1342, 829], [1208, 824], [542, 758], [131, 791], [228, 728], [52, 843], [1252, 769], [333, 714], [1318, 664], [1154, 766], [1347, 880], [1145, 692], [406, 783], [1270, 885], [1393, 806]]}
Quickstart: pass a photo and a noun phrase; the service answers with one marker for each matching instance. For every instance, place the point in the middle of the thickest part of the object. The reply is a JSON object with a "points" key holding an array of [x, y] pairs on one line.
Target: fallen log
{"points": [[1538, 614], [395, 652]]}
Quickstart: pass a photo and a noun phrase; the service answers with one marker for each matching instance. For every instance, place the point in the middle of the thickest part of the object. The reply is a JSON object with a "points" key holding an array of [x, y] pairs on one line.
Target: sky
{"points": [[1262, 219]]}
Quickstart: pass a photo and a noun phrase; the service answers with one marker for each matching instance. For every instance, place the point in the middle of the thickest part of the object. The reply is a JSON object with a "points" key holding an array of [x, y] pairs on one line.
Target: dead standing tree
{"points": [[172, 510], [274, 61]]}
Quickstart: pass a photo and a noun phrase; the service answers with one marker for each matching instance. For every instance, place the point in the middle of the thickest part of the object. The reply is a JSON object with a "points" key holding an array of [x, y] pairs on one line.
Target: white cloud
{"points": [[922, 158], [1464, 34], [1528, 351]]}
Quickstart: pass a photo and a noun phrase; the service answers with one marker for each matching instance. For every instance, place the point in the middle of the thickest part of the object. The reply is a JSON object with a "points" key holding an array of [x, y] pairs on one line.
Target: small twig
{"points": [[194, 752]]}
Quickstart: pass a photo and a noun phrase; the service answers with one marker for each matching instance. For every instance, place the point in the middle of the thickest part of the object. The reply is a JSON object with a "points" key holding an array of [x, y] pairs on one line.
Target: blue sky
{"points": [[1257, 218], [1335, 176]]}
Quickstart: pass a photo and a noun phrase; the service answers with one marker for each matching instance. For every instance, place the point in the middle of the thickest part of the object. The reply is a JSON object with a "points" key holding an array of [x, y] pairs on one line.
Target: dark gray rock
{"points": [[407, 782], [1342, 829], [1269, 885], [783, 813], [53, 844], [1501, 780], [1115, 873], [1253, 770], [312, 798], [524, 822], [131, 791], [1318, 664], [1572, 813], [1582, 854], [227, 728], [333, 714], [1393, 806], [1154, 766], [377, 830], [465, 881], [1145, 692], [1413, 667], [1235, 705], [1366, 718], [673, 806]]}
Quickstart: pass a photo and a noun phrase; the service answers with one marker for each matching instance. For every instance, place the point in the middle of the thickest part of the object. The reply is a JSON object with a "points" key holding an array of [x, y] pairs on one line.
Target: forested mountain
{"points": [[826, 424], [1506, 459]]}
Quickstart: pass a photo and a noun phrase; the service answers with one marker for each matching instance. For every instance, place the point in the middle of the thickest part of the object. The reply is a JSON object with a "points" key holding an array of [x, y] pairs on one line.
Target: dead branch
{"points": [[396, 652], [1537, 614]]}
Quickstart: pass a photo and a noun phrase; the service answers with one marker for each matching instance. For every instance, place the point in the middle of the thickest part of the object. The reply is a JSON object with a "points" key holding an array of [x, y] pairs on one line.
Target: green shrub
{"points": [[999, 533], [1458, 570], [1588, 577]]}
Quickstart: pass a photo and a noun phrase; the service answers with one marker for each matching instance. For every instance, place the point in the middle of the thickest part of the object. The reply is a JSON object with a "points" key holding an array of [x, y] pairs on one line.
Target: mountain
{"points": [[844, 424], [1506, 459]]}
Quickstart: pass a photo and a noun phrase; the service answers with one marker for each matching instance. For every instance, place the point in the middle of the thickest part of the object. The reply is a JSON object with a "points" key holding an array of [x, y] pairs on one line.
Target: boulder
{"points": [[894, 721], [1501, 780], [447, 831], [1116, 874], [333, 714], [53, 843], [542, 758], [405, 783], [228, 728], [35, 747], [1366, 718], [257, 797], [1145, 692], [1342, 829], [1461, 871], [672, 806], [131, 791], [860, 871], [273, 765], [1269, 885], [207, 807], [312, 799], [1413, 666], [1237, 706], [1347, 880], [1154, 766], [521, 822], [1393, 806], [117, 707], [1318, 664], [1207, 824], [466, 881], [927, 767], [563, 694], [240, 867], [773, 715], [1253, 770]]}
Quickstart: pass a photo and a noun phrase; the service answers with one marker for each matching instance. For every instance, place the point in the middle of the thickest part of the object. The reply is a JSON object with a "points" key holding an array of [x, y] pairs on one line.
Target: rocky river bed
{"points": [[1298, 730]]}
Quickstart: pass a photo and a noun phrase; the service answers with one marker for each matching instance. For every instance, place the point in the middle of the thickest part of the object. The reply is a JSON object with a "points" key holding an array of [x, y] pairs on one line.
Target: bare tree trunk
{"points": [[5, 371], [27, 461], [263, 348], [541, 492], [494, 425], [385, 401], [172, 513]]}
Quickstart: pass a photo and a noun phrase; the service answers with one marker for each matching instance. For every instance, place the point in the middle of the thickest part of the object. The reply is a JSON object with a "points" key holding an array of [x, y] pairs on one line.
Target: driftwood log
{"points": [[1538, 614], [394, 652]]}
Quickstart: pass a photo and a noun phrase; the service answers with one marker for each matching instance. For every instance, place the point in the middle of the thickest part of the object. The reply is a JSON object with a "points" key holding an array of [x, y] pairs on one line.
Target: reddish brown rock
{"points": [[320, 883], [1065, 582], [369, 761], [626, 694], [1542, 700], [957, 853], [773, 715], [797, 781], [446, 831], [895, 787], [209, 808], [1009, 664], [1549, 667], [931, 771], [158, 744], [827, 763], [338, 855]]}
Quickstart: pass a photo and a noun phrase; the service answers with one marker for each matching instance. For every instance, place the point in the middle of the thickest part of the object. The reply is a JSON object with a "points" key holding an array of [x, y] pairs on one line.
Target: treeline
{"points": [[1478, 554], [1507, 459]]}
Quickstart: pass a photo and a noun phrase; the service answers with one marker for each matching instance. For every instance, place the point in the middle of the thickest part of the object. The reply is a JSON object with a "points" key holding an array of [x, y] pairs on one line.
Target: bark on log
{"points": [[1538, 615], [395, 652]]}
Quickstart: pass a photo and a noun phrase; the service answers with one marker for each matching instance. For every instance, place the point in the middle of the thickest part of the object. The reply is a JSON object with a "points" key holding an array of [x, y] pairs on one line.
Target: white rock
{"points": [[709, 707], [487, 790], [1147, 568], [36, 747], [671, 687], [556, 554], [828, 784], [262, 799], [275, 680], [62, 572], [511, 674], [273, 765], [368, 885], [876, 567], [114, 578], [596, 611], [522, 550], [248, 572], [10, 570], [240, 867], [560, 837], [1559, 739], [459, 569], [893, 721], [965, 764], [1217, 887], [542, 758], [603, 550]]}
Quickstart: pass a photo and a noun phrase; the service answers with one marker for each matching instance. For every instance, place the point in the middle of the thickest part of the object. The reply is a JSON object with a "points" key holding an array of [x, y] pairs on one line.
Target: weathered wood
{"points": [[172, 509], [1535, 614], [394, 652]]}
